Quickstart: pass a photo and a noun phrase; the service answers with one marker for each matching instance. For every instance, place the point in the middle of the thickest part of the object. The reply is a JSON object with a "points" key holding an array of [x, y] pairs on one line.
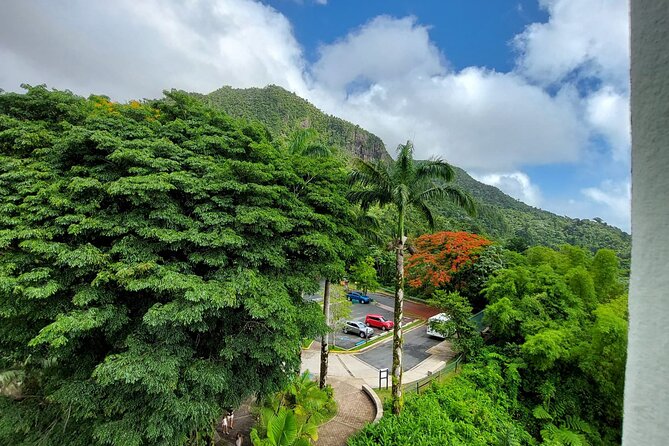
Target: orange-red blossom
{"points": [[439, 256]]}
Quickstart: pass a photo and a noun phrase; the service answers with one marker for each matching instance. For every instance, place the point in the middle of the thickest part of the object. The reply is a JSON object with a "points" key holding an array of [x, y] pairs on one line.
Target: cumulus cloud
{"points": [[516, 184], [385, 49], [582, 37], [615, 196], [475, 118], [608, 113], [136, 49]]}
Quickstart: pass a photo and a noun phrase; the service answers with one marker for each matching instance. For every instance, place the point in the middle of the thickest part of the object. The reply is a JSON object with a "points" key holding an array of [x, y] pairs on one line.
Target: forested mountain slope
{"points": [[500, 216], [503, 217], [282, 112]]}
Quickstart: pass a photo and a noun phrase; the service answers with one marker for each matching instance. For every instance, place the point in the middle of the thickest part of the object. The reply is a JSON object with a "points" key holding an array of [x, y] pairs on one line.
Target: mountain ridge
{"points": [[500, 215]]}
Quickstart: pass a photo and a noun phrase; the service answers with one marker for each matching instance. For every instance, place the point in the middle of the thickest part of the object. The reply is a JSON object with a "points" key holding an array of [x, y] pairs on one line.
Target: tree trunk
{"points": [[398, 398], [324, 338]]}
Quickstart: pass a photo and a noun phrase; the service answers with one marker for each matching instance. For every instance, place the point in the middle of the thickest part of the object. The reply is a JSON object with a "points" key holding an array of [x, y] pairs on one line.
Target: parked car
{"points": [[358, 328], [357, 296], [378, 321]]}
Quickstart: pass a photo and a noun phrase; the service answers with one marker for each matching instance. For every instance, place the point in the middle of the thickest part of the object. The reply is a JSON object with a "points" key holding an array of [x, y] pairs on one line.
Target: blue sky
{"points": [[530, 96]]}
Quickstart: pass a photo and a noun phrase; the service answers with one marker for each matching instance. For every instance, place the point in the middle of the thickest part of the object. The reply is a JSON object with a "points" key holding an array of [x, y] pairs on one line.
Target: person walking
{"points": [[239, 440], [231, 418], [224, 425]]}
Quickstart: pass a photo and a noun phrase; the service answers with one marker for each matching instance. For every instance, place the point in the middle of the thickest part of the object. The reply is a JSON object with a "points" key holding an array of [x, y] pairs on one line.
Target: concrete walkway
{"points": [[347, 366], [354, 411]]}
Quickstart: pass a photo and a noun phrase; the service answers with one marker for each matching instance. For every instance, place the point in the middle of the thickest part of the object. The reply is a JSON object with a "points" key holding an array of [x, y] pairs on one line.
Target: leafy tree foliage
{"points": [[291, 416], [340, 310], [363, 274], [460, 329], [405, 186], [565, 315], [553, 373], [440, 256], [476, 407], [454, 261], [153, 257]]}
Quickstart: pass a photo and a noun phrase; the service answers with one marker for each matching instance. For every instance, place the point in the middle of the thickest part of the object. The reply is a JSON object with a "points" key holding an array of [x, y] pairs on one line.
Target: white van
{"points": [[441, 317]]}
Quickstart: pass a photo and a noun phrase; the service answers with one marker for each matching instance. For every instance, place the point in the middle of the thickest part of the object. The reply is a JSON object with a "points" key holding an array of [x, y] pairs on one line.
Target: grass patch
{"points": [[306, 343]]}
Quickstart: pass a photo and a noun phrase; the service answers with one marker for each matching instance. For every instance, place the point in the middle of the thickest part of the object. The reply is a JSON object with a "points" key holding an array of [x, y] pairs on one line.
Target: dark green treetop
{"points": [[153, 258]]}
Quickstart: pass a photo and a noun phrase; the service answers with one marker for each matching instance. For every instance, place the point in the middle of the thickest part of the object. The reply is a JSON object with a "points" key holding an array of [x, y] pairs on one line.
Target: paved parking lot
{"points": [[416, 344], [358, 313]]}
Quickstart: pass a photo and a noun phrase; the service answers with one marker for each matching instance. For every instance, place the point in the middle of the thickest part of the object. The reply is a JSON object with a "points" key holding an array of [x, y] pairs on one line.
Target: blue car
{"points": [[357, 296]]}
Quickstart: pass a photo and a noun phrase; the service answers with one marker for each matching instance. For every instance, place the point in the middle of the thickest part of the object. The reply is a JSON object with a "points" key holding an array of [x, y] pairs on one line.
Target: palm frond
{"points": [[367, 198], [404, 171], [453, 194], [369, 227], [401, 196], [427, 212], [435, 169], [367, 173]]}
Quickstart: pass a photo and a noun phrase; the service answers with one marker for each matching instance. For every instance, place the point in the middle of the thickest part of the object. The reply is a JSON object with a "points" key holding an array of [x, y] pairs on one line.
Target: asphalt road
{"points": [[414, 345], [358, 313], [416, 342]]}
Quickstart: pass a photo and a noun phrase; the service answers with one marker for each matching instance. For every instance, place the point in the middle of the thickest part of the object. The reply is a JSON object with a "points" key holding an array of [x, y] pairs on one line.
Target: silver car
{"points": [[358, 328]]}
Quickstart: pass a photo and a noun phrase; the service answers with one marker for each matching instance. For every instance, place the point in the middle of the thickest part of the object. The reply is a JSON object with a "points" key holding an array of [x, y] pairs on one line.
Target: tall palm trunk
{"points": [[324, 339], [398, 398]]}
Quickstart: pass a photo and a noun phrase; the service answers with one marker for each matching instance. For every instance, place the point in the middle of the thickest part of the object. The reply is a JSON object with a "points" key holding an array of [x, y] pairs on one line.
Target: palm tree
{"points": [[404, 184]]}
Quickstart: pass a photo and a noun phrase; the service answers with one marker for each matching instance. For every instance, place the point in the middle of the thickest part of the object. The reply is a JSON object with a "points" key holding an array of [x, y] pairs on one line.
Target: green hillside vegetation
{"points": [[503, 217], [551, 373], [153, 258], [283, 112], [499, 217]]}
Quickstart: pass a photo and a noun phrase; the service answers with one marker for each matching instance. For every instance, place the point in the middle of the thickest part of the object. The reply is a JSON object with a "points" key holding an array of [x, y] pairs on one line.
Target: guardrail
{"points": [[418, 386]]}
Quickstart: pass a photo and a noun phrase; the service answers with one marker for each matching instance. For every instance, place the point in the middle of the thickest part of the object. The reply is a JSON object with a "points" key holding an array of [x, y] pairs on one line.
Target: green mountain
{"points": [[503, 217], [282, 112], [500, 216]]}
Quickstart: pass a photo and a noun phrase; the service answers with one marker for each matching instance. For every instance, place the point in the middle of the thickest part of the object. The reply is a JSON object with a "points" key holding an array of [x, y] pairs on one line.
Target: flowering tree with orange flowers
{"points": [[441, 257]]}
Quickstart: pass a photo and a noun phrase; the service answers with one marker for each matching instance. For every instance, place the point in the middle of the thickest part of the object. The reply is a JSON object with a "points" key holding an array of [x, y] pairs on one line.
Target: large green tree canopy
{"points": [[153, 258]]}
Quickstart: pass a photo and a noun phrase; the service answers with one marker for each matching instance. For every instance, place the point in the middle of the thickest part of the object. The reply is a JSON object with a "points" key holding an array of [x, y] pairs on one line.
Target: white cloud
{"points": [[474, 118], [614, 198], [515, 184], [609, 115], [385, 49], [136, 49], [588, 36]]}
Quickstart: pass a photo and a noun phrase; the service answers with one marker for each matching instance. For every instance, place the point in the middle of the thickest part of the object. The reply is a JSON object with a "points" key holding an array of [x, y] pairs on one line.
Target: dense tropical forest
{"points": [[552, 368], [155, 255]]}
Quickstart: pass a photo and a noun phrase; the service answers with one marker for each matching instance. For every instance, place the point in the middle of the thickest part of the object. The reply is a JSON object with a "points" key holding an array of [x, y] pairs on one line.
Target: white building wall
{"points": [[646, 418]]}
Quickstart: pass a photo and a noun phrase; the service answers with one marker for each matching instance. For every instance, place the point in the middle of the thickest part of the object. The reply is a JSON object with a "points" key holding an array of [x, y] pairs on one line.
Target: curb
{"points": [[375, 400], [406, 297], [388, 337]]}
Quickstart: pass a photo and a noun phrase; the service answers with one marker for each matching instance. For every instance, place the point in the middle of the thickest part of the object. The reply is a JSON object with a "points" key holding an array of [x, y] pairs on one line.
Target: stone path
{"points": [[244, 421], [354, 411]]}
